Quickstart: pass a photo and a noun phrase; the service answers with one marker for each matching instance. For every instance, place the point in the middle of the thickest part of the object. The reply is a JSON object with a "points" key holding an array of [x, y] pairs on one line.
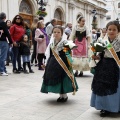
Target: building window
{"points": [[108, 17], [58, 14], [119, 5], [25, 7]]}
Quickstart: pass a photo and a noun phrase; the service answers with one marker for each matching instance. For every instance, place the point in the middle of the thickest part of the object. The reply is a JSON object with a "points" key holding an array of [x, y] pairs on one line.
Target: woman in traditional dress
{"points": [[55, 78], [106, 80], [81, 37]]}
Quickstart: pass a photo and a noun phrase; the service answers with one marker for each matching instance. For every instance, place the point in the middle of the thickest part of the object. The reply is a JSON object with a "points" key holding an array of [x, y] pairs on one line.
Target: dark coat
{"points": [[5, 34], [24, 48]]}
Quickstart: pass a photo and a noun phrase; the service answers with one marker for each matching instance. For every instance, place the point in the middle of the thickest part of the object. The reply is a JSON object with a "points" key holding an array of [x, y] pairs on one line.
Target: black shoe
{"points": [[31, 71], [7, 64], [65, 99], [81, 74], [26, 72], [36, 64], [20, 69], [104, 113], [16, 71], [60, 99], [76, 74]]}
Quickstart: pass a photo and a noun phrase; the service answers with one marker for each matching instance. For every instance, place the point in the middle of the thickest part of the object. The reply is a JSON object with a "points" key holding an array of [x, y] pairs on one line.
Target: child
{"points": [[106, 80], [25, 52], [56, 79]]}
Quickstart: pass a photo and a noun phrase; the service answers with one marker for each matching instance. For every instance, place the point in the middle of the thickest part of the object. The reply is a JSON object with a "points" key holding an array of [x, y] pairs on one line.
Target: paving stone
{"points": [[21, 99]]}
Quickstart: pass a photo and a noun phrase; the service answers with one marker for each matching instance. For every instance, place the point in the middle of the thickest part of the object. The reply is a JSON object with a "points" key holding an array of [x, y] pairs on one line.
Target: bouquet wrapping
{"points": [[96, 47]]}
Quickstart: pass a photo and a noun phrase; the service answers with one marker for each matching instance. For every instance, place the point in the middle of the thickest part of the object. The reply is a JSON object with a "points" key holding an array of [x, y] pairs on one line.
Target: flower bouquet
{"points": [[96, 47]]}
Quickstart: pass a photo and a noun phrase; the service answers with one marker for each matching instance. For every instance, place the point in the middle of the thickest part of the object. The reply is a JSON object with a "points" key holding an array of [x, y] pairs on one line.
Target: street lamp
{"points": [[94, 13], [94, 21], [42, 10]]}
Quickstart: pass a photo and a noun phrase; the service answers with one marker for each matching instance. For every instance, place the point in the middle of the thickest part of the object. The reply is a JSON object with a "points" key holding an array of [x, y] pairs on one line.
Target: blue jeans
{"points": [[26, 58], [9, 55], [3, 55], [16, 57]]}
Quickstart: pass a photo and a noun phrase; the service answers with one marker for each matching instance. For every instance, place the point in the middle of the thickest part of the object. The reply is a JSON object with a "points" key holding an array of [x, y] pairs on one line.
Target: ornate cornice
{"points": [[71, 4]]}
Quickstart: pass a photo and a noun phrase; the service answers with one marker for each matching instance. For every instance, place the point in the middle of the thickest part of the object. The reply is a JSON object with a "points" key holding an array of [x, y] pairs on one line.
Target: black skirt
{"points": [[54, 73], [106, 77]]}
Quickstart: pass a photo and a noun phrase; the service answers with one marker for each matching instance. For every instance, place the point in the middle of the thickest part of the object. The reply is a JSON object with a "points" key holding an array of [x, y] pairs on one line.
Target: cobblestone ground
{"points": [[20, 99]]}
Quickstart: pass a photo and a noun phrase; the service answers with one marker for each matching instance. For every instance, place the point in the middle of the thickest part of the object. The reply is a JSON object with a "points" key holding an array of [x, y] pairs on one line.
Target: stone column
{"points": [[13, 6], [4, 6], [66, 11], [71, 12]]}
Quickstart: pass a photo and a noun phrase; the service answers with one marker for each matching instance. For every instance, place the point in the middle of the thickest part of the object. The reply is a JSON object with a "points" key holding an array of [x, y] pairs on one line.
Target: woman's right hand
{"points": [[15, 44]]}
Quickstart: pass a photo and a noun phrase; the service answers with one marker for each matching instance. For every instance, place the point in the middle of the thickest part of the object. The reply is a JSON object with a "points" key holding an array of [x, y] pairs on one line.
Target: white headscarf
{"points": [[47, 52]]}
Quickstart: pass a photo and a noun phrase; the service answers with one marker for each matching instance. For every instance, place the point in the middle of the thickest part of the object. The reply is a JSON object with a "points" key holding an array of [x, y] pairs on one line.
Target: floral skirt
{"points": [[81, 63]]}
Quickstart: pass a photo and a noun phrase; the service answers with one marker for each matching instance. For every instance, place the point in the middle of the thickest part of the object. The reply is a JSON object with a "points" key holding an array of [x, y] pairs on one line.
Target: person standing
{"points": [[4, 34], [42, 42], [33, 28], [9, 53], [17, 31], [28, 32], [106, 81], [25, 52], [81, 37], [55, 78], [94, 35], [103, 33], [98, 33], [68, 29], [50, 26]]}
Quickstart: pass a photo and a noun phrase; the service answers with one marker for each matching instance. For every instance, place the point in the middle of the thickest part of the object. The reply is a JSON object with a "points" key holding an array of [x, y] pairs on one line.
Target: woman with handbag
{"points": [[58, 76], [42, 42]]}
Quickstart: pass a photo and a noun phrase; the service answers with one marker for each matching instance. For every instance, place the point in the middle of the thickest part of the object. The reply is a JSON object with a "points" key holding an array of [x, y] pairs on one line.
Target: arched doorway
{"points": [[25, 10], [59, 16]]}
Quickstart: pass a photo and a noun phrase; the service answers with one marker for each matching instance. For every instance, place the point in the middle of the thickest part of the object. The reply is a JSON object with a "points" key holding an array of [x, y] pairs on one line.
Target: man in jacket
{"points": [[49, 28], [5, 38]]}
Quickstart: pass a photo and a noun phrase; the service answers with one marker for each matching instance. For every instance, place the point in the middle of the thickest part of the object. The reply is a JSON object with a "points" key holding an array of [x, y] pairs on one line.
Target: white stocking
{"points": [[61, 95], [64, 95]]}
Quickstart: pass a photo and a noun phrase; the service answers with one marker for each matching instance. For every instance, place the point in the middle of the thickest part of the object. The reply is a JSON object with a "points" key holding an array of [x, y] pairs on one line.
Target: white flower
{"points": [[70, 44], [100, 44]]}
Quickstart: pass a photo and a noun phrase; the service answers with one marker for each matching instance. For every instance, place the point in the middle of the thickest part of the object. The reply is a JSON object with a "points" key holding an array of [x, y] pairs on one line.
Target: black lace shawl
{"points": [[106, 77], [80, 35], [54, 73]]}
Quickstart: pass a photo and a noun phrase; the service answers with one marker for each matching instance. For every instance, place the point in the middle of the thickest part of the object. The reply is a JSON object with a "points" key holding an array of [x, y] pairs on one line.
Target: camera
{"points": [[41, 36]]}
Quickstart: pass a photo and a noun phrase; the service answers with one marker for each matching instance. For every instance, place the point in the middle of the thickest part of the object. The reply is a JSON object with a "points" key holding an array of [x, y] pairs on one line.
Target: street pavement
{"points": [[21, 99]]}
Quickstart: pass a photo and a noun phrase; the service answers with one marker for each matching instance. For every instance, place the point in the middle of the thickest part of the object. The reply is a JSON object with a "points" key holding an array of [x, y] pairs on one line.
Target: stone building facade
{"points": [[64, 10], [113, 8]]}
